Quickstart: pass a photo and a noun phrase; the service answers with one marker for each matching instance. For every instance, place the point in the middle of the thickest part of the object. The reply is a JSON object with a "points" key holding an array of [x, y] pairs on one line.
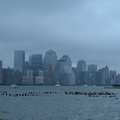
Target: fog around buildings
{"points": [[48, 70], [82, 29]]}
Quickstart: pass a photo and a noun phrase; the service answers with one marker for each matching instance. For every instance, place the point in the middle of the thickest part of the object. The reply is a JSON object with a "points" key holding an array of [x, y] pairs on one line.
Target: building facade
{"points": [[81, 66], [35, 62], [63, 72], [49, 62], [92, 68], [40, 78], [28, 79], [19, 59], [81, 74]]}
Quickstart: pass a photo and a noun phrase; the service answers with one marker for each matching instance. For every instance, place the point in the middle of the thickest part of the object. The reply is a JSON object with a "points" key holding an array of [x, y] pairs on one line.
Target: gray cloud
{"points": [[83, 29]]}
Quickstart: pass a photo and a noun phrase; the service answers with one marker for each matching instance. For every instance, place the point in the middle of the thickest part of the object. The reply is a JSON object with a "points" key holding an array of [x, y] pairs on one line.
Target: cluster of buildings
{"points": [[48, 70]]}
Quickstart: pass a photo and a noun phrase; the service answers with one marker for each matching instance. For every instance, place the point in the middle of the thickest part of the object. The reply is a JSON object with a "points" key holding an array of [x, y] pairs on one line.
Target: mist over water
{"points": [[51, 103], [82, 29]]}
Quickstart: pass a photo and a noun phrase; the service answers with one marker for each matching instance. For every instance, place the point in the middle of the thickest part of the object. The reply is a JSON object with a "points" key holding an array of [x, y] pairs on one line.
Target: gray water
{"points": [[59, 106]]}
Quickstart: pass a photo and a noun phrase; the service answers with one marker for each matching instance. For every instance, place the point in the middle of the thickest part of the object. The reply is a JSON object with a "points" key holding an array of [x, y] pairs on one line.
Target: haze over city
{"points": [[82, 29]]}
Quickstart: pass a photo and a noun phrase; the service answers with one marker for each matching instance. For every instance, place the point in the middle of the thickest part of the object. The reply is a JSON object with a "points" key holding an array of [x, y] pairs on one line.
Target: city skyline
{"points": [[50, 70], [82, 29], [28, 57]]}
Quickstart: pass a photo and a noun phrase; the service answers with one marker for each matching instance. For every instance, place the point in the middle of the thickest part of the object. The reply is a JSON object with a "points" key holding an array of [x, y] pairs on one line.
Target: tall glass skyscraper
{"points": [[49, 62], [81, 74], [81, 66], [19, 59], [63, 71], [92, 68], [50, 58], [35, 62]]}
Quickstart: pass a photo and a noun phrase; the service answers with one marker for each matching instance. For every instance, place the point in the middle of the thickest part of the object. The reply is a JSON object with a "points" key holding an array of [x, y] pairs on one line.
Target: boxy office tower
{"points": [[19, 59]]}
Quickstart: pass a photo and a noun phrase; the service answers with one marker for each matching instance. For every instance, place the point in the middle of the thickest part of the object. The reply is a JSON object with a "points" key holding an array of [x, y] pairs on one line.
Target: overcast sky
{"points": [[83, 29]]}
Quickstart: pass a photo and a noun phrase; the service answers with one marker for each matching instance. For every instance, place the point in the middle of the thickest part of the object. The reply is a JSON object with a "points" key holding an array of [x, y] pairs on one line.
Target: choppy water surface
{"points": [[59, 103]]}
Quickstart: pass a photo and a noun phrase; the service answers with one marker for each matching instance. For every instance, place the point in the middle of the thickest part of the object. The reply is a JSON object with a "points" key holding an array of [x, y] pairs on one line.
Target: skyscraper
{"points": [[50, 58], [0, 72], [39, 79], [81, 75], [103, 76], [81, 66], [92, 74], [92, 68], [63, 71], [66, 59], [19, 59], [28, 78], [113, 75], [35, 62], [49, 62], [25, 67]]}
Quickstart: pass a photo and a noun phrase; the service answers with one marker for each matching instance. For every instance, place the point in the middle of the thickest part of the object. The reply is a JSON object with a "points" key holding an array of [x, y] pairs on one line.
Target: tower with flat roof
{"points": [[19, 59], [35, 62], [81, 74]]}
